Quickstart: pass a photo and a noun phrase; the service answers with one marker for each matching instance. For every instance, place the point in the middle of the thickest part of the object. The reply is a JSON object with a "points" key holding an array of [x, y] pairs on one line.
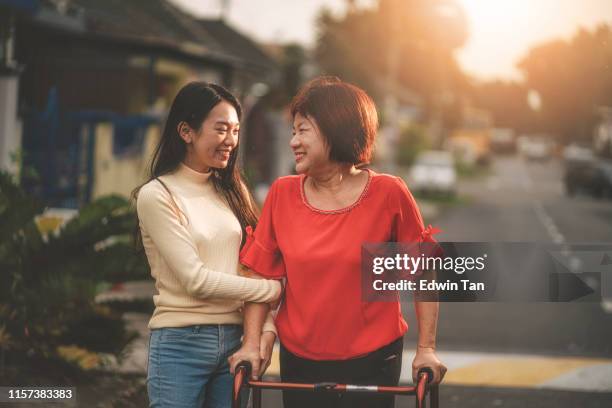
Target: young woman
{"points": [[310, 233], [192, 217]]}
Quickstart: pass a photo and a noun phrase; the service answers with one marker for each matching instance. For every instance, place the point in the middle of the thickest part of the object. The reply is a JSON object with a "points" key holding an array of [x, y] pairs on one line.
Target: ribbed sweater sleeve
{"points": [[162, 222]]}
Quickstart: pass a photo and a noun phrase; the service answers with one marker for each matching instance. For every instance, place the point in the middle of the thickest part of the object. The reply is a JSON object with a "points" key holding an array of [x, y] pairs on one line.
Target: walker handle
{"points": [[246, 366], [242, 374], [425, 376], [428, 371]]}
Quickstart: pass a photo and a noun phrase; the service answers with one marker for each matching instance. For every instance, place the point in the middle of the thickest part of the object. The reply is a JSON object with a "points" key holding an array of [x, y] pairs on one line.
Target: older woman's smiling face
{"points": [[308, 145]]}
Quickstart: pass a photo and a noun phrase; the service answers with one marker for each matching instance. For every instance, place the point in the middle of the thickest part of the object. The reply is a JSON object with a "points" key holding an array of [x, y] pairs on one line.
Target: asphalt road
{"points": [[523, 201]]}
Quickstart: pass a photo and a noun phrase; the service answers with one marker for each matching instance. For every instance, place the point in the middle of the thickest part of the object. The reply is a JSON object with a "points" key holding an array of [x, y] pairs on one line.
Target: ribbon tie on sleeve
{"points": [[427, 234], [250, 237]]}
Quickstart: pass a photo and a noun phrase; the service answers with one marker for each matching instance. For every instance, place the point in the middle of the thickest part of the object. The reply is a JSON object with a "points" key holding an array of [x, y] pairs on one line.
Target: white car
{"points": [[536, 149], [433, 172]]}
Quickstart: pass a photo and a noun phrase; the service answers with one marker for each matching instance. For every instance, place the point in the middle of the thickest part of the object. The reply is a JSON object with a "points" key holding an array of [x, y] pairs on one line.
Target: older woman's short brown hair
{"points": [[344, 113]]}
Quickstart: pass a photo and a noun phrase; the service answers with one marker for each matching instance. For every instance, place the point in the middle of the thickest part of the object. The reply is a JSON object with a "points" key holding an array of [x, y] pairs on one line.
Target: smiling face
{"points": [[211, 145], [308, 145]]}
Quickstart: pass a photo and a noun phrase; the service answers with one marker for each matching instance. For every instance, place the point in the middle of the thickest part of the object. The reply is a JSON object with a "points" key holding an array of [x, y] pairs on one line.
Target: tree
{"points": [[420, 35], [573, 79], [507, 102]]}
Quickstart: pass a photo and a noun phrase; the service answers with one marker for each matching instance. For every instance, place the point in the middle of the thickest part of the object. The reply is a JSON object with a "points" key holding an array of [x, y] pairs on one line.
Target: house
{"points": [[10, 126], [97, 69], [253, 66]]}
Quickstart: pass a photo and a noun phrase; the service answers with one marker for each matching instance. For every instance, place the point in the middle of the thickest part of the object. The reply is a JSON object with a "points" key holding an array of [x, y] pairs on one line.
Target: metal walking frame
{"points": [[420, 390]]}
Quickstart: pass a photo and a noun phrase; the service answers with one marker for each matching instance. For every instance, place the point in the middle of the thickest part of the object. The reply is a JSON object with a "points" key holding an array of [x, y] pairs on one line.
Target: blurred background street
{"points": [[531, 206], [521, 200]]}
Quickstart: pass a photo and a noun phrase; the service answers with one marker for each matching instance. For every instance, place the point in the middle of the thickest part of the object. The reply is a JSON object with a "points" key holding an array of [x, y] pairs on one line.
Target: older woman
{"points": [[311, 231]]}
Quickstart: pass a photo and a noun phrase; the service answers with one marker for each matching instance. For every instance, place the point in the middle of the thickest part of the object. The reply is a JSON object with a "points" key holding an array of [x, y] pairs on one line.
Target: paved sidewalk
{"points": [[465, 368], [510, 371], [135, 360], [136, 355]]}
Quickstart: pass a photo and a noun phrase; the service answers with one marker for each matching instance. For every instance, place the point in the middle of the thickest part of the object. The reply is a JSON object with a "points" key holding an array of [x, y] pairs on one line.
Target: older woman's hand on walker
{"points": [[249, 351], [426, 357], [259, 355]]}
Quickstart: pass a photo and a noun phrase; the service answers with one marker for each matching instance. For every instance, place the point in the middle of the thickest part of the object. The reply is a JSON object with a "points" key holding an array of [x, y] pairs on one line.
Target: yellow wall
{"points": [[120, 175]]}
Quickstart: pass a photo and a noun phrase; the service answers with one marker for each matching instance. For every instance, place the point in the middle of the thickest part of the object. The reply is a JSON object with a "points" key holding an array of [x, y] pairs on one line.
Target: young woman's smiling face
{"points": [[211, 145], [308, 145]]}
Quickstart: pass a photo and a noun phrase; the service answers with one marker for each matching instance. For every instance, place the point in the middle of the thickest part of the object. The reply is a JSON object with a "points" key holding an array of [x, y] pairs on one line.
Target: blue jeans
{"points": [[188, 366]]}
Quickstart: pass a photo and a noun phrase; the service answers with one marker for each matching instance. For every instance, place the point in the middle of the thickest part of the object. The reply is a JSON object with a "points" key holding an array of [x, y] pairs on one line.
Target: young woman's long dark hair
{"points": [[192, 105]]}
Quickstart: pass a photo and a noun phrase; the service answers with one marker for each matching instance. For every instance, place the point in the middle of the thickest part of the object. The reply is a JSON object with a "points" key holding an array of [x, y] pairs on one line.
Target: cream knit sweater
{"points": [[192, 245]]}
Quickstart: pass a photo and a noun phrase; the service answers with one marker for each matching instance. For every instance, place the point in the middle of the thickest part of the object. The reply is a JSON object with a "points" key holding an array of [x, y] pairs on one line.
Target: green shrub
{"points": [[48, 282]]}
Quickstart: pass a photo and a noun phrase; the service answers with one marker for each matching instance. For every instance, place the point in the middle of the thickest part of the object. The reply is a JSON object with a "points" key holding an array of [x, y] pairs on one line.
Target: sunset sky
{"points": [[501, 31]]}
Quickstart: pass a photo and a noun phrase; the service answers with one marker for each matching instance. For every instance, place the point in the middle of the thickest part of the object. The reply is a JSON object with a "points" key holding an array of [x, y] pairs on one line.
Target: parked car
{"points": [[434, 172], [592, 177], [577, 153], [536, 148], [603, 179]]}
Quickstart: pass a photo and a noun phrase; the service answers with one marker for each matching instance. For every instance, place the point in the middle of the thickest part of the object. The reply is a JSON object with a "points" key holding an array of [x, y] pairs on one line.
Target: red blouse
{"points": [[323, 316]]}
